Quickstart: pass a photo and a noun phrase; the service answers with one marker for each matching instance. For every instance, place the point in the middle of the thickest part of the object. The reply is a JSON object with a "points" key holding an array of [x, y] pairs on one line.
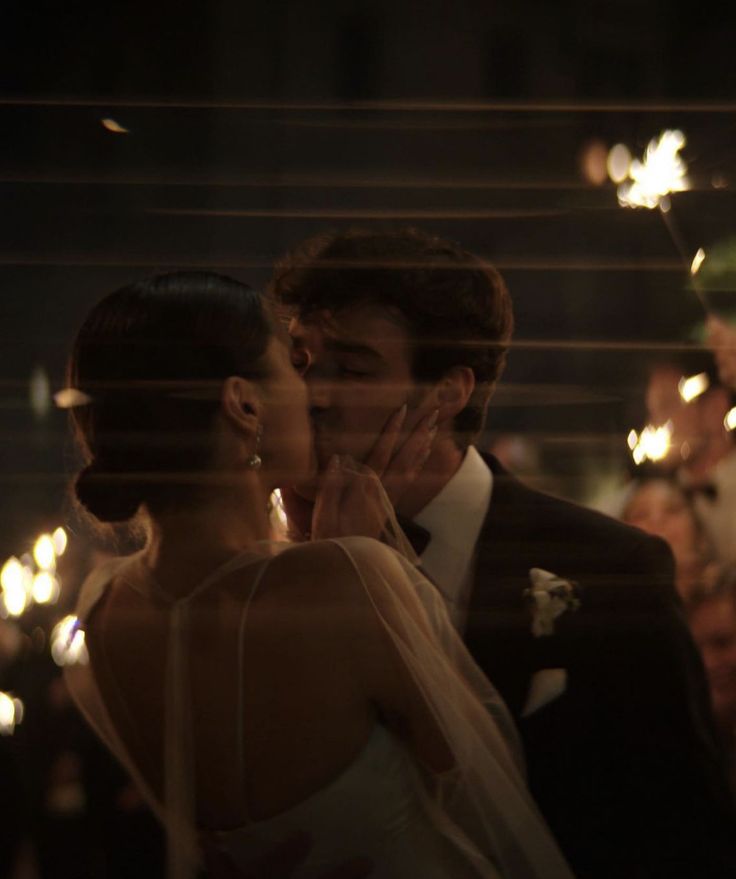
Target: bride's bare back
{"points": [[316, 670]]}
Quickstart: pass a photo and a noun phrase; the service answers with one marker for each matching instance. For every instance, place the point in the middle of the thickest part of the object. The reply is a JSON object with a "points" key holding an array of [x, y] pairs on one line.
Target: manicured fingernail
{"points": [[433, 419], [401, 415], [432, 434]]}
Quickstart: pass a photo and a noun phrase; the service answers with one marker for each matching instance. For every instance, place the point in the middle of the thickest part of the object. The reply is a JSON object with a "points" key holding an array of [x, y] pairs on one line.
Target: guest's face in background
{"points": [[713, 625], [660, 508], [721, 339], [357, 367]]}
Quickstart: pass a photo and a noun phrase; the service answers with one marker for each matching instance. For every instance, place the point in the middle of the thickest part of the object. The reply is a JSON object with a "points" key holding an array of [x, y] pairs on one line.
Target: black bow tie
{"points": [[418, 537]]}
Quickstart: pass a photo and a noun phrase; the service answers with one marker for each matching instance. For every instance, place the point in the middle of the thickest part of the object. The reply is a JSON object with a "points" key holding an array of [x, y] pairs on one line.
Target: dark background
{"points": [[254, 125]]}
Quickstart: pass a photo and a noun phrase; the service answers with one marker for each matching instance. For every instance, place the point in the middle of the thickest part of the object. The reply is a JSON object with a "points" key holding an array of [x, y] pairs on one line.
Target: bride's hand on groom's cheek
{"points": [[351, 501], [358, 499], [397, 456]]}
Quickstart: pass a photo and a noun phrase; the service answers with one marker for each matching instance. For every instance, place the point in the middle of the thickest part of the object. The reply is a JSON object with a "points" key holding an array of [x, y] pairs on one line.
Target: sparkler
{"points": [[279, 520], [11, 713], [45, 588], [652, 444], [650, 182], [22, 586], [69, 398], [44, 552], [697, 261], [692, 387], [661, 172], [13, 580], [115, 127], [68, 645]]}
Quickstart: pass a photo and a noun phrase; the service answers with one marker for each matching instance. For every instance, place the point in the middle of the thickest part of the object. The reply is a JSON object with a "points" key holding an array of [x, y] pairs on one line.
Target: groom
{"points": [[610, 701]]}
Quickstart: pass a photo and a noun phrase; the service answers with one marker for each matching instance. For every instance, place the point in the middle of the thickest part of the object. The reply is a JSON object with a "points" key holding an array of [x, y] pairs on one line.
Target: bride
{"points": [[255, 690]]}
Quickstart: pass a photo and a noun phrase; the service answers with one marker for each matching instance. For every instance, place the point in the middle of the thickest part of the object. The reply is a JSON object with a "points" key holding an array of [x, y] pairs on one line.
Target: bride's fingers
{"points": [[409, 460], [364, 506], [379, 456]]}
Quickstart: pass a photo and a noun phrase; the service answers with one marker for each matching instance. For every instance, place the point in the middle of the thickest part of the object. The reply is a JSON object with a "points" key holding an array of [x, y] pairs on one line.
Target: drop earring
{"points": [[254, 461]]}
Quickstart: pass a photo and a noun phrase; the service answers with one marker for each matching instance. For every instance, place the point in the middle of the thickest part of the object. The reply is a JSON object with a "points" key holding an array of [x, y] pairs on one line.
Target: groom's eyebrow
{"points": [[346, 346]]}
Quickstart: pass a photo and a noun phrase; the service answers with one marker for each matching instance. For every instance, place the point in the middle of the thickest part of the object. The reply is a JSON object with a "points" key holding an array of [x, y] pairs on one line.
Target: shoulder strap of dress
{"points": [[179, 761]]}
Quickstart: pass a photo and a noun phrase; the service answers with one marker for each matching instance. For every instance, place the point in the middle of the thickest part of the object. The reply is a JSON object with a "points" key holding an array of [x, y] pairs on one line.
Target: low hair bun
{"points": [[108, 497]]}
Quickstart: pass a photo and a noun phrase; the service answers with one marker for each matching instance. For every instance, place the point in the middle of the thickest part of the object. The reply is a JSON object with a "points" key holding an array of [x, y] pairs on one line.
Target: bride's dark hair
{"points": [[149, 361]]}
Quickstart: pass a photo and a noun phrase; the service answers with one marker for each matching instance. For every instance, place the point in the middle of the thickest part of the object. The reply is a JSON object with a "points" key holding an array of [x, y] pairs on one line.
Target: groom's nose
{"points": [[320, 388]]}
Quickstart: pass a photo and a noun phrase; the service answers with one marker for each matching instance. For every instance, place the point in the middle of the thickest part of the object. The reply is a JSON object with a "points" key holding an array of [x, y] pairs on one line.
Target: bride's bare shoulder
{"points": [[339, 552], [331, 566]]}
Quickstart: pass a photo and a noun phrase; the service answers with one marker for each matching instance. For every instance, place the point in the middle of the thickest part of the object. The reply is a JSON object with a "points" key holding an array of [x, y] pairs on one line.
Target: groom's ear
{"points": [[453, 390], [241, 404]]}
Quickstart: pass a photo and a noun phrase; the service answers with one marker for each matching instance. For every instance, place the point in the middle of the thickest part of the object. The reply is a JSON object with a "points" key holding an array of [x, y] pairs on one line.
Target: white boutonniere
{"points": [[550, 597]]}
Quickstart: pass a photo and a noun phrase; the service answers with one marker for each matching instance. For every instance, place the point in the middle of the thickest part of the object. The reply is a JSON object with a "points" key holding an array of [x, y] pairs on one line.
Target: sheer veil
{"points": [[481, 805]]}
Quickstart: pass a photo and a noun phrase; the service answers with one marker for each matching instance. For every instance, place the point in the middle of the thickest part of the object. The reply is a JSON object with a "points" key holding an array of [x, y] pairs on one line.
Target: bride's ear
{"points": [[241, 405]]}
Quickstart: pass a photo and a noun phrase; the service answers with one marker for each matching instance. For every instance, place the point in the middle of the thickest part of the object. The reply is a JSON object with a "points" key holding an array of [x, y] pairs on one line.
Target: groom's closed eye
{"points": [[354, 369]]}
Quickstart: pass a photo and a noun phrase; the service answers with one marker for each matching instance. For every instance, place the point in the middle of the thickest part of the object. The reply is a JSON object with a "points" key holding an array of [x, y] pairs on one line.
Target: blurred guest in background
{"points": [[712, 617], [660, 506], [702, 455]]}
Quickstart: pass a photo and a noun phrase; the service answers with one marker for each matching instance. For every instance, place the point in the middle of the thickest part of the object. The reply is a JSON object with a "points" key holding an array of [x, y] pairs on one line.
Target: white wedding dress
{"points": [[476, 820]]}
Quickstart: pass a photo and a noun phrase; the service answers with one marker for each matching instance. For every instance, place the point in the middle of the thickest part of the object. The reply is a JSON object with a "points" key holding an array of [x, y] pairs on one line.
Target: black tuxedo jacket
{"points": [[624, 765]]}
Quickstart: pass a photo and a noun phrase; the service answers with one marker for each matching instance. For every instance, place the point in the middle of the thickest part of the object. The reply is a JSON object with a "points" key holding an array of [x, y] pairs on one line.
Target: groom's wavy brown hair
{"points": [[454, 306]]}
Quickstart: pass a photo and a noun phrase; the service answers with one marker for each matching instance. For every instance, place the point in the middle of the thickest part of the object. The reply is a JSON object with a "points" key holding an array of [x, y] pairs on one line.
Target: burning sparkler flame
{"points": [[114, 126], [13, 581], [45, 588], [70, 398], [44, 552], [661, 172], [68, 642], [697, 262], [60, 541], [652, 444], [279, 520], [693, 386], [618, 163], [11, 713]]}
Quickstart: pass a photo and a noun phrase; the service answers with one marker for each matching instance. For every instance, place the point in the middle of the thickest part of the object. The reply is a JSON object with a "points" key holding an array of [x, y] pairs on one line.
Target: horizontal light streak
{"points": [[133, 261], [389, 106], [298, 182], [359, 213]]}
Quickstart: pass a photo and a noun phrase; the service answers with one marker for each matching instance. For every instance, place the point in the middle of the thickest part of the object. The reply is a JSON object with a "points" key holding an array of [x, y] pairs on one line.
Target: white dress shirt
{"points": [[454, 519]]}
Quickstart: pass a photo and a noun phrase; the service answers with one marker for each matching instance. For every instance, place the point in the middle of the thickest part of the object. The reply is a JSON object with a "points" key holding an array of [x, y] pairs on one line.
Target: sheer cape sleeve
{"points": [[482, 804]]}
